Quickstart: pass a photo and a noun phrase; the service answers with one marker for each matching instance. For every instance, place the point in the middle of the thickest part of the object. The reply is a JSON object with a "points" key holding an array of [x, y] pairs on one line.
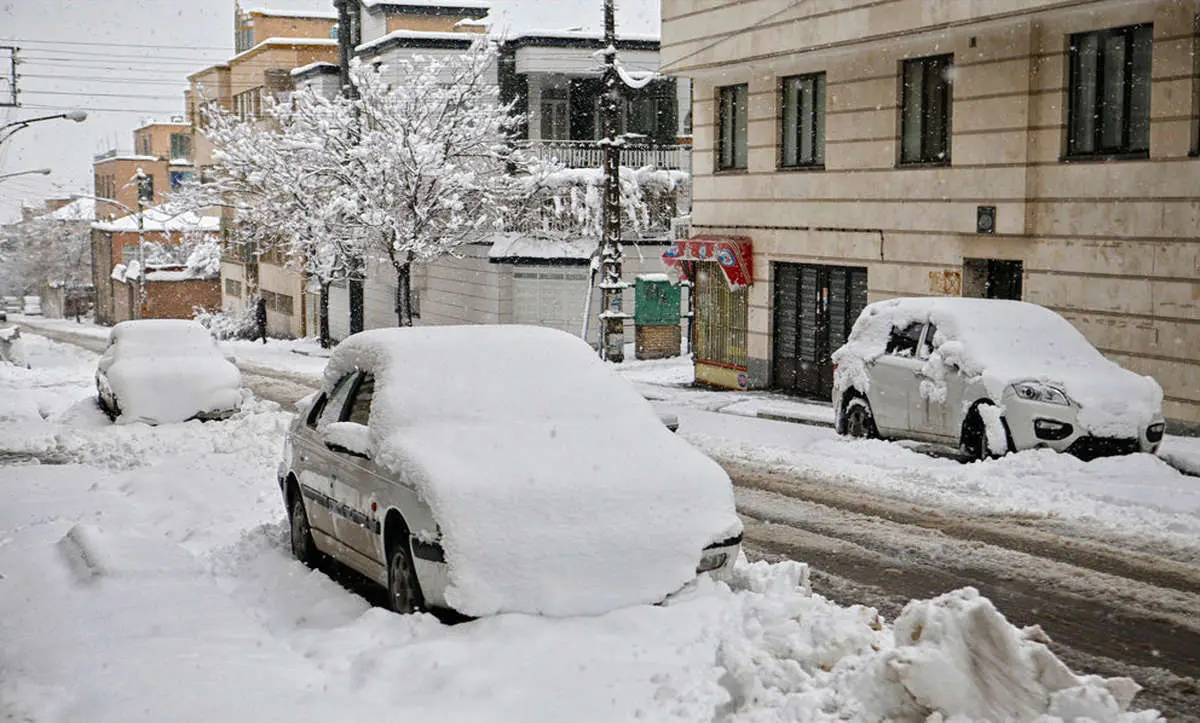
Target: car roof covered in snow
{"points": [[161, 332]]}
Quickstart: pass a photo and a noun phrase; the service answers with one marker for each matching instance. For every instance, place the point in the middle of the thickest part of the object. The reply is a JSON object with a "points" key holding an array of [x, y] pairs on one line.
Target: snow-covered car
{"points": [[494, 469], [13, 304], [990, 376], [33, 306], [159, 371]]}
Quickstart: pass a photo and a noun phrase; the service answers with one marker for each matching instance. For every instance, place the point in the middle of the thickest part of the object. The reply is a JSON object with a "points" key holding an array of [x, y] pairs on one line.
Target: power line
{"points": [[93, 109], [733, 34], [73, 43], [78, 94], [203, 62]]}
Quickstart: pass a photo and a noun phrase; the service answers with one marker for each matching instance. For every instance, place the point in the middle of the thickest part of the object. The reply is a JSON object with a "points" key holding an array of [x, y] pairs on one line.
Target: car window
{"points": [[927, 341], [337, 401], [903, 342], [314, 413], [360, 407]]}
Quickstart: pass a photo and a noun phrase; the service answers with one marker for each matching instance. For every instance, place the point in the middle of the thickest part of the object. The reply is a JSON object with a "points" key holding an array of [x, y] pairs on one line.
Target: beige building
{"points": [[859, 150], [269, 45]]}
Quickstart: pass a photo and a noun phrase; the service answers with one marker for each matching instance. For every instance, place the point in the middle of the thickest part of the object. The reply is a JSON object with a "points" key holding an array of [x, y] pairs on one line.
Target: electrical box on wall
{"points": [[985, 219]]}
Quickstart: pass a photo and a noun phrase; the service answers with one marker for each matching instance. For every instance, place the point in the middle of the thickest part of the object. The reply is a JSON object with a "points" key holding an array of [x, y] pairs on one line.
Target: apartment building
{"points": [[270, 43], [852, 151]]}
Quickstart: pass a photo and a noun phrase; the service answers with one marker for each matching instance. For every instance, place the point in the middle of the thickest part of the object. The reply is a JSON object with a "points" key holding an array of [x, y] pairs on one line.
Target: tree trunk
{"points": [[323, 315], [404, 294]]}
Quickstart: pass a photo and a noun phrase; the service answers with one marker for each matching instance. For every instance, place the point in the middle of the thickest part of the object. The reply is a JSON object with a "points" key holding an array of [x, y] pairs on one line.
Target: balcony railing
{"points": [[590, 154]]}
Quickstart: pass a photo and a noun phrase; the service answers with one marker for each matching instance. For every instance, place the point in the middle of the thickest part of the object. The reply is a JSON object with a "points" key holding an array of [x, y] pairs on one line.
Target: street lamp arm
{"points": [[12, 127], [113, 201], [42, 171]]}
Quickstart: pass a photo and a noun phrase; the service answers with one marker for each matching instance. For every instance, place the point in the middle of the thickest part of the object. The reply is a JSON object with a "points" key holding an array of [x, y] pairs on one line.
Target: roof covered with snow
{"points": [[158, 221], [81, 209], [512, 18], [512, 245]]}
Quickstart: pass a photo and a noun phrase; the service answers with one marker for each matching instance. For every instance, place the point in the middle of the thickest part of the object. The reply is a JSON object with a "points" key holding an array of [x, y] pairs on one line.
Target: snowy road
{"points": [[1116, 587]]}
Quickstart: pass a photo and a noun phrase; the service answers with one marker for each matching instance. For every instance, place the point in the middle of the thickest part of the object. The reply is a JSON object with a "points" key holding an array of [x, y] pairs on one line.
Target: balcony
{"points": [[590, 154]]}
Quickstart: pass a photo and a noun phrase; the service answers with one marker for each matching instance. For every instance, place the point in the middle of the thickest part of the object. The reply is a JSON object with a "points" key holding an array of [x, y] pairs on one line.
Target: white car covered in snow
{"points": [[990, 376], [493, 469], [166, 370]]}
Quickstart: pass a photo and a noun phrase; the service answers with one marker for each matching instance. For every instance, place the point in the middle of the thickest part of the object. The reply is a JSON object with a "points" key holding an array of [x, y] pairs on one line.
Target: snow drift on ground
{"points": [[1001, 342], [150, 580], [556, 488]]}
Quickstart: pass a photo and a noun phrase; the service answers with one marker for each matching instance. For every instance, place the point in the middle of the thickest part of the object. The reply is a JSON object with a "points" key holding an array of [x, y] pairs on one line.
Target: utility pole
{"points": [[350, 37], [145, 196], [612, 315]]}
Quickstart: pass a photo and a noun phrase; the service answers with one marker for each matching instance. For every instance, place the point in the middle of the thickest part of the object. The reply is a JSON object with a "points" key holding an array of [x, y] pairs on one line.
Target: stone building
{"points": [[859, 150]]}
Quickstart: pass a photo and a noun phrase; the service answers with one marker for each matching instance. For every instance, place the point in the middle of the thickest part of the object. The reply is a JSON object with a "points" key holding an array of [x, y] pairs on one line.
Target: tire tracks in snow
{"points": [[1107, 611]]}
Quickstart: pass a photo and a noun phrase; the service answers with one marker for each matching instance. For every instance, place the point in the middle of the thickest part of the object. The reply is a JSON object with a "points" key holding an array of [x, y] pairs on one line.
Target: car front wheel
{"points": [[303, 546], [404, 590], [985, 433]]}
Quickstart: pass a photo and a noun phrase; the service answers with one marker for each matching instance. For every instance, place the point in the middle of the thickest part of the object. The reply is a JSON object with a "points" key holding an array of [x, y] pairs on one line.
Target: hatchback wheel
{"points": [[404, 590], [303, 546], [857, 420], [975, 443]]}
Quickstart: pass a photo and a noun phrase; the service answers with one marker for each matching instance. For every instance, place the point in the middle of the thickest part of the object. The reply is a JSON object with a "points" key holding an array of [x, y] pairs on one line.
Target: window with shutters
{"points": [[925, 111], [1109, 110], [802, 104], [732, 109]]}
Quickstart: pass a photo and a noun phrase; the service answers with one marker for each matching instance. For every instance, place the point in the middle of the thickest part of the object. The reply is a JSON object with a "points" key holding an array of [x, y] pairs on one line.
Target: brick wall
{"points": [[657, 342]]}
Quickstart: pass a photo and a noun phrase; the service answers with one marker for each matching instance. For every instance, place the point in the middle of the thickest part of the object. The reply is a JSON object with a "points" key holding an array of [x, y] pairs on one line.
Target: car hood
{"points": [[160, 390], [568, 518]]}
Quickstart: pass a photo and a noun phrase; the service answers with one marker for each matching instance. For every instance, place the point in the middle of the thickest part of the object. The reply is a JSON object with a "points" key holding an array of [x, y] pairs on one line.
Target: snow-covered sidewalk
{"points": [[148, 578]]}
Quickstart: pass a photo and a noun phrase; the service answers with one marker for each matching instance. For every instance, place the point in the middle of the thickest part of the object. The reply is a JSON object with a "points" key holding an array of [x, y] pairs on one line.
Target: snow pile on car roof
{"points": [[556, 488], [169, 370], [1002, 342]]}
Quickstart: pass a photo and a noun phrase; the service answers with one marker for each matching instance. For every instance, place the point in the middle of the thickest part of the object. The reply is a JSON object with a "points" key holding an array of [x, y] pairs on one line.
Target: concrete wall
{"points": [[1112, 246], [287, 282]]}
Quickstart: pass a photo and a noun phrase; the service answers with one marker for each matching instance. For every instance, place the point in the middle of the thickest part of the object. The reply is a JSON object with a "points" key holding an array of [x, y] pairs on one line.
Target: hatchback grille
{"points": [[1089, 448]]}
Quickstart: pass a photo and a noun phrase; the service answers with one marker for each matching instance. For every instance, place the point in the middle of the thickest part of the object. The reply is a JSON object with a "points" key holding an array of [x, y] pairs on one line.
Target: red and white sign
{"points": [[734, 254]]}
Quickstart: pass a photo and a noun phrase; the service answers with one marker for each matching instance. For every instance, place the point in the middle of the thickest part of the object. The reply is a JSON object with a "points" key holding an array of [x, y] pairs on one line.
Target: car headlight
{"points": [[1038, 392]]}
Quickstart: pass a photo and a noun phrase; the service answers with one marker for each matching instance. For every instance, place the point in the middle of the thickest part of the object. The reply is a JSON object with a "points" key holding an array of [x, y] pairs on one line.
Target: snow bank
{"points": [[556, 487], [1000, 342]]}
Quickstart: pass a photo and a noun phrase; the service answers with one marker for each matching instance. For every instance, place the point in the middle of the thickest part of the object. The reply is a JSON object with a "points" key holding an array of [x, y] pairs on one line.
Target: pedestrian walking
{"points": [[260, 318]]}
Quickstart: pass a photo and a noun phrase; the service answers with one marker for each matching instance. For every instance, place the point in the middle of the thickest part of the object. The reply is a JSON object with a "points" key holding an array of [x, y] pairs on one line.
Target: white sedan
{"points": [[159, 371], [990, 376]]}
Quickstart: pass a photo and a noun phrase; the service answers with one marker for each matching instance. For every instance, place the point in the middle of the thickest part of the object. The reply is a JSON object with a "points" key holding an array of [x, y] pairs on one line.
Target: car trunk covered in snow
{"points": [[998, 342], [556, 487]]}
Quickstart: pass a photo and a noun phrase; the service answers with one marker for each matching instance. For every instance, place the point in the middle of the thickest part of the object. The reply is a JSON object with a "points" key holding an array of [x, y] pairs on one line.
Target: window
{"points": [[233, 287], [927, 342], [904, 342], [925, 110], [178, 178], [360, 408], [555, 117], [248, 104], [803, 104], [732, 104], [315, 412], [1109, 112], [333, 408], [181, 146]]}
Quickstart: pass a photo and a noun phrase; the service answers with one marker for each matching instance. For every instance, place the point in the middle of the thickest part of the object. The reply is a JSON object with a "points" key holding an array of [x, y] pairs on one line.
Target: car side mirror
{"points": [[348, 438]]}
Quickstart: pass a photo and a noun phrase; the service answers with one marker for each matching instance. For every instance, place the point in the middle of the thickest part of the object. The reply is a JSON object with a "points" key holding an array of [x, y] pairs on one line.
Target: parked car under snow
{"points": [[492, 469], [991, 376], [166, 370]]}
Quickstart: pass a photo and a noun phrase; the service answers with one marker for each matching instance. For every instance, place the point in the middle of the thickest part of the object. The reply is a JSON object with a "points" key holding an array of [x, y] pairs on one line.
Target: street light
{"points": [[137, 314], [76, 115], [42, 171]]}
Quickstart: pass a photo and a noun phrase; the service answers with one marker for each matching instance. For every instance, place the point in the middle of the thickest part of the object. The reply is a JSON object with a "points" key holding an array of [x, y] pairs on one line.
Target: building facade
{"points": [[269, 45], [1034, 149]]}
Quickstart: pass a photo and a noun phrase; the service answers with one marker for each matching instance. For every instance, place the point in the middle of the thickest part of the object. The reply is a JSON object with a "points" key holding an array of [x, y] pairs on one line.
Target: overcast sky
{"points": [[126, 61]]}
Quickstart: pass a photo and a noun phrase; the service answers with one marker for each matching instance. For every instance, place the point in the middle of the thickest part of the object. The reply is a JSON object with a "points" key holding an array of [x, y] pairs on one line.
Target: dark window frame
{"points": [[1126, 148], [738, 125], [815, 123], [937, 68]]}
